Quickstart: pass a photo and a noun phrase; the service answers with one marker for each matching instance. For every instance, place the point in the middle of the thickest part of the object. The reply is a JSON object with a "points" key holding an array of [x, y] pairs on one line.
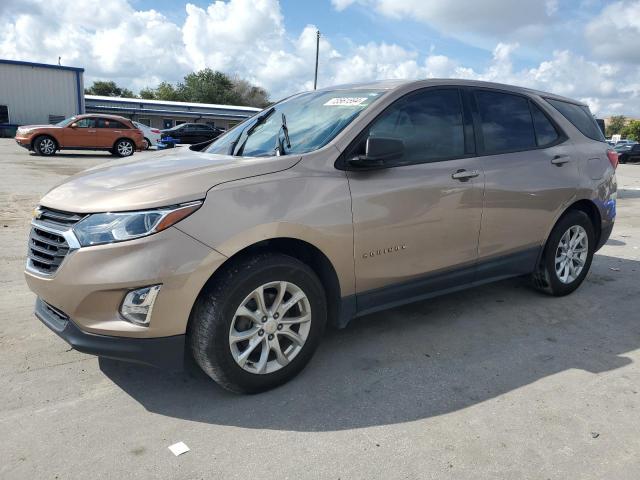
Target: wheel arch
{"points": [[585, 205], [123, 138], [303, 251], [40, 135]]}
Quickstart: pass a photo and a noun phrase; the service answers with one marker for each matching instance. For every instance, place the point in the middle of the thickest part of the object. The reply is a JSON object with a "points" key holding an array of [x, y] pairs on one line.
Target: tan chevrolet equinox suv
{"points": [[326, 206]]}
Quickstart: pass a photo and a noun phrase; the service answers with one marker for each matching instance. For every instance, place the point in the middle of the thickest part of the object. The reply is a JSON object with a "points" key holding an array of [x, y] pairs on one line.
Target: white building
{"points": [[37, 93], [166, 114]]}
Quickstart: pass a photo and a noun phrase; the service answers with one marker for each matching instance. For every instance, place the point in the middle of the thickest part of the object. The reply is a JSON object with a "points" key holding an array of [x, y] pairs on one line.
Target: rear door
{"points": [[530, 174], [416, 223], [109, 130]]}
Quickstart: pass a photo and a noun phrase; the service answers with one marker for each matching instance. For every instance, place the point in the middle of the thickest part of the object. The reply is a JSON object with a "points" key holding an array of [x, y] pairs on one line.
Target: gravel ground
{"points": [[494, 382]]}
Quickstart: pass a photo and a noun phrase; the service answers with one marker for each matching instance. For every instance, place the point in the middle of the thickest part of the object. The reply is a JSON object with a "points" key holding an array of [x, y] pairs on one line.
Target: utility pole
{"points": [[315, 78]]}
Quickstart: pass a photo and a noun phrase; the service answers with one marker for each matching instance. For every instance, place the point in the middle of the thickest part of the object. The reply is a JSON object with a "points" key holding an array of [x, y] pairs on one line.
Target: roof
{"points": [[393, 84], [168, 103], [40, 65], [101, 115]]}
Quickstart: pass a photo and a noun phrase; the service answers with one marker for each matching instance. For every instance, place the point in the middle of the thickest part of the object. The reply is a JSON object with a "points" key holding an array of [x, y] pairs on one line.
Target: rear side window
{"points": [[429, 123], [109, 123], [505, 121], [581, 118], [546, 133]]}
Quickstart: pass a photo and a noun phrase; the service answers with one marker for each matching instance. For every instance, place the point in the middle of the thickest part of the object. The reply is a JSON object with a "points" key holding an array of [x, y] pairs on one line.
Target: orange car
{"points": [[83, 132]]}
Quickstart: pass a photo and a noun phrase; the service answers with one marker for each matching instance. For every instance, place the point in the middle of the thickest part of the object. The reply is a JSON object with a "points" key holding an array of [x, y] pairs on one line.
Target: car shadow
{"points": [[421, 360]]}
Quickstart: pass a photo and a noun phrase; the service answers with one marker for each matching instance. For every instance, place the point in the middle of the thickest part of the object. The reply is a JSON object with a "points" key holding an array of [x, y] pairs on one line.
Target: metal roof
{"points": [[167, 103], [40, 65]]}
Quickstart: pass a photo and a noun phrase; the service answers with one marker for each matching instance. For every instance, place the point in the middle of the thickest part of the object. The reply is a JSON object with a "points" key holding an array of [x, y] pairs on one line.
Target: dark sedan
{"points": [[632, 154], [191, 133]]}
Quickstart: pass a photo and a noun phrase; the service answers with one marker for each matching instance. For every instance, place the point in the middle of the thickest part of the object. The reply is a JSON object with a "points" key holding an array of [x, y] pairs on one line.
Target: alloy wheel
{"points": [[125, 149], [47, 146], [270, 327], [571, 254]]}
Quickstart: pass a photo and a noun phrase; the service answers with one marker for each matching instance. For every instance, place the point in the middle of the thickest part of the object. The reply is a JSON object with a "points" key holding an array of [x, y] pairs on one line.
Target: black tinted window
{"points": [[546, 133], [581, 117], [86, 123], [428, 122], [108, 123], [506, 122]]}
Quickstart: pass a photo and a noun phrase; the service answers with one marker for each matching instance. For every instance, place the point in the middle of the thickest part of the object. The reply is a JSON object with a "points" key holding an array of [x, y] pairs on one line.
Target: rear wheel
{"points": [[567, 256], [259, 324], [123, 148], [45, 145]]}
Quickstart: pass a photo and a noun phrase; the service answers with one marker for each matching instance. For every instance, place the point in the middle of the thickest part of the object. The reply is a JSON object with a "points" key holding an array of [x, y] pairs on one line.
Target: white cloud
{"points": [[112, 40], [456, 18], [615, 33]]}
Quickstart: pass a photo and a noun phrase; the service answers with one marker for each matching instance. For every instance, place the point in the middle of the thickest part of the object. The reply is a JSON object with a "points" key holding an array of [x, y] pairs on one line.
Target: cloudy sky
{"points": [[585, 49]]}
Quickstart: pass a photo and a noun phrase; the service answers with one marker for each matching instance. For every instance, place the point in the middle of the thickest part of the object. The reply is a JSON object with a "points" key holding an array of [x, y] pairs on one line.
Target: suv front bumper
{"points": [[163, 352]]}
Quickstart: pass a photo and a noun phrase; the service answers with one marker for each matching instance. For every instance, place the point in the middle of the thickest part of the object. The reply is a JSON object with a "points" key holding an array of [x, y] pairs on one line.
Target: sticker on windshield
{"points": [[345, 101]]}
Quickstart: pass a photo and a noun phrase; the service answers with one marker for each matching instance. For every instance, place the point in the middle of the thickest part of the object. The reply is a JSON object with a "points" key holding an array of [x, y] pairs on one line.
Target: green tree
{"points": [[616, 124], [632, 130], [249, 94], [207, 86], [108, 89]]}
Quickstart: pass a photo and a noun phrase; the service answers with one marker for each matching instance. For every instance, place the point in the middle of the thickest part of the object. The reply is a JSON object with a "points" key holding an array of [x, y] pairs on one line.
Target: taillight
{"points": [[613, 158], [155, 130]]}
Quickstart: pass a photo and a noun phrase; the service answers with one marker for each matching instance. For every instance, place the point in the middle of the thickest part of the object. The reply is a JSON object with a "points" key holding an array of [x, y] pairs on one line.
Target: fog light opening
{"points": [[138, 305]]}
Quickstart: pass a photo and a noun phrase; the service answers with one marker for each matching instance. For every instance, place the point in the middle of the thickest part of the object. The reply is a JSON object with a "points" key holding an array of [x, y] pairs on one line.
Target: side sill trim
{"points": [[440, 283]]}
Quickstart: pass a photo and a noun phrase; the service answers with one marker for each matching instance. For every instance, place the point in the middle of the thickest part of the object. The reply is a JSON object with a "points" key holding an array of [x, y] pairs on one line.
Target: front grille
{"points": [[47, 243], [57, 217]]}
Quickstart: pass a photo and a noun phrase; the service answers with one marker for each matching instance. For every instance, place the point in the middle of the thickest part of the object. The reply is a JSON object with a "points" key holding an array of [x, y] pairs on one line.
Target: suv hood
{"points": [[160, 179]]}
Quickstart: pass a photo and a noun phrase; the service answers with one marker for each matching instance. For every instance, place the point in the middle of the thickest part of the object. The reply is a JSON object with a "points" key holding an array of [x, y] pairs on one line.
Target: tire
{"points": [[123, 148], [45, 145], [550, 276], [214, 320], [147, 144]]}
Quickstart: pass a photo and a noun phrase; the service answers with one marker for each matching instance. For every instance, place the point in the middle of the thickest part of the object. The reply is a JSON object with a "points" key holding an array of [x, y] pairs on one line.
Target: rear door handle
{"points": [[464, 175], [91, 131], [560, 160]]}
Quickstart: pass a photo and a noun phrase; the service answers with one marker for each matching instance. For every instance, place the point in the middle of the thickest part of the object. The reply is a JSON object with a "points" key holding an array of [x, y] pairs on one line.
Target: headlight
{"points": [[102, 228]]}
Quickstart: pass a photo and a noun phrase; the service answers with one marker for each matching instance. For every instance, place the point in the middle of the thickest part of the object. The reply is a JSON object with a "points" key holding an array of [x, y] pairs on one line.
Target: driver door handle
{"points": [[464, 175]]}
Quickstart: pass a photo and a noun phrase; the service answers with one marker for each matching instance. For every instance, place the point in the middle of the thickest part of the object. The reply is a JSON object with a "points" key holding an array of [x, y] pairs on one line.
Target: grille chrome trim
{"points": [[51, 241]]}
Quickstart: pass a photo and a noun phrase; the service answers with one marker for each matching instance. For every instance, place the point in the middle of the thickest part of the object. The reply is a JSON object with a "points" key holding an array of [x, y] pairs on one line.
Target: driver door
{"points": [[417, 221], [82, 134]]}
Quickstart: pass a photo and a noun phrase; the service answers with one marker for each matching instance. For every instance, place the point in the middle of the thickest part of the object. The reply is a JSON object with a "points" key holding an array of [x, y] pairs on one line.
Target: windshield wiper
{"points": [[284, 129], [248, 131]]}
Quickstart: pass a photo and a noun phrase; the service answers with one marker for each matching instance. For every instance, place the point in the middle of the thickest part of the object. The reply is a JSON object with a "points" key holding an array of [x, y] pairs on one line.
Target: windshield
{"points": [[312, 119], [65, 122]]}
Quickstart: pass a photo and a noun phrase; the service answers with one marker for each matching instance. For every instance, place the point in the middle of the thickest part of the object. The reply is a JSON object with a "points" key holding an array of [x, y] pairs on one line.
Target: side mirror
{"points": [[74, 125], [378, 153]]}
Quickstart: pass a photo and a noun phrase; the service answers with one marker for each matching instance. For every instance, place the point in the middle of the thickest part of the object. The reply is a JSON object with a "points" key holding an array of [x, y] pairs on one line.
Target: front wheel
{"points": [[146, 144], [123, 148], [259, 323], [567, 256], [45, 145]]}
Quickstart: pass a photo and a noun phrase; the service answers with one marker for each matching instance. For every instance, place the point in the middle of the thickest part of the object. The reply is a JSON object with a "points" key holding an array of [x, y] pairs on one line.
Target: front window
{"points": [[65, 122], [311, 120]]}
